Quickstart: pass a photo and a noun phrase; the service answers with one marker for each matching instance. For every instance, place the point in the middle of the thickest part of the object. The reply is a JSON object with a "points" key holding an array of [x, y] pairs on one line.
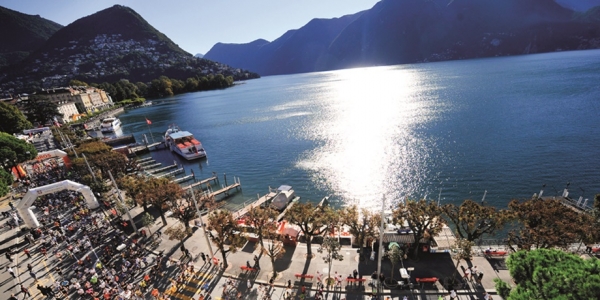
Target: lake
{"points": [[503, 125]]}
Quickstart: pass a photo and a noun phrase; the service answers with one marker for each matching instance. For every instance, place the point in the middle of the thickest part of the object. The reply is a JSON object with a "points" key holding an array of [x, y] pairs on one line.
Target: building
{"points": [[73, 101]]}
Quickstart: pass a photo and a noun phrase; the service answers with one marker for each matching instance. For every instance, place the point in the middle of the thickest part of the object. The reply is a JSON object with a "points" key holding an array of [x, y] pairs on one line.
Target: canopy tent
{"points": [[24, 206]]}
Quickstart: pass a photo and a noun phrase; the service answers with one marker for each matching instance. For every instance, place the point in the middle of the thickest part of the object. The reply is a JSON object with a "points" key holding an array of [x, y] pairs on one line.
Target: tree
{"points": [[473, 220], [14, 151], [178, 233], [361, 226], [40, 110], [422, 217], [224, 230], [331, 247], [184, 209], [546, 224], [551, 274], [147, 220], [163, 194], [6, 181], [310, 219], [12, 119], [263, 222], [395, 255]]}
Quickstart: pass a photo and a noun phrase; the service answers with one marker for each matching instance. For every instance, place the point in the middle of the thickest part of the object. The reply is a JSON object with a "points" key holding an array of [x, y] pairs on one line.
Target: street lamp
{"points": [[202, 223]]}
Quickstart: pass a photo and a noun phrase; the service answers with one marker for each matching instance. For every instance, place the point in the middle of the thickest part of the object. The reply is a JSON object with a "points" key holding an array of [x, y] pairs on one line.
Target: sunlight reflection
{"points": [[369, 131]]}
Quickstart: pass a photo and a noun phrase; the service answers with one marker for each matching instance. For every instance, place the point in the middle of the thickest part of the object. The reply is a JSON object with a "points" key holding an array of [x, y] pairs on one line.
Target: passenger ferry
{"points": [[183, 143], [110, 125]]}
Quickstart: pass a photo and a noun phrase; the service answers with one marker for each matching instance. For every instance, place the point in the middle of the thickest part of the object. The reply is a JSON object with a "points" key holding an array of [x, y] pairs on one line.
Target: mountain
{"points": [[199, 55], [296, 51], [408, 31], [578, 5], [22, 34], [113, 44]]}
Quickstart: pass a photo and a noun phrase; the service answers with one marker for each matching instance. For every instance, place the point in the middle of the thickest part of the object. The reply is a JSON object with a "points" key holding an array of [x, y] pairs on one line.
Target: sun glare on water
{"points": [[368, 128]]}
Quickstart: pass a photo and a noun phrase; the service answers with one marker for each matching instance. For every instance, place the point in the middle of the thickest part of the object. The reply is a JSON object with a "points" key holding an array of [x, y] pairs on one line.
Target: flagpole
{"points": [[148, 122]]}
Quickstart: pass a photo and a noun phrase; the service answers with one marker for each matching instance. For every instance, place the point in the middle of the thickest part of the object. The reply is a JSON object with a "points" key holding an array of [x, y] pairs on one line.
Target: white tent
{"points": [[24, 206]]}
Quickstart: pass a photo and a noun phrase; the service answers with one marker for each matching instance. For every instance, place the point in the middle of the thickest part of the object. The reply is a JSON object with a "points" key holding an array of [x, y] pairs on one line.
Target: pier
{"points": [[143, 160], [172, 173], [145, 148], [225, 190], [154, 171], [183, 179], [246, 207], [202, 182], [152, 166]]}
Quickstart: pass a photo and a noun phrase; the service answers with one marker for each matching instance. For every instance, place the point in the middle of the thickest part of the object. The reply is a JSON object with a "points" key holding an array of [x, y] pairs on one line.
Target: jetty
{"points": [[154, 171], [246, 207], [214, 178], [225, 190], [172, 173]]}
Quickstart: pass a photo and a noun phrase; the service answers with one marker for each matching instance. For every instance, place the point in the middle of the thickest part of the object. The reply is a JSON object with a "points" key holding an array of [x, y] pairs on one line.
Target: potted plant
{"points": [[395, 255]]}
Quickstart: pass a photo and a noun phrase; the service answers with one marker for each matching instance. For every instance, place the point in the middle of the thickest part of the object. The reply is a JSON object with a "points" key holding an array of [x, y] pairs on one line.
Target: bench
{"points": [[495, 253], [246, 268], [298, 275], [427, 279]]}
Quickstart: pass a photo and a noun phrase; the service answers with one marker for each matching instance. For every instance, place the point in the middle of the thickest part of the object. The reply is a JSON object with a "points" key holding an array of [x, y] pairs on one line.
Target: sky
{"points": [[196, 25]]}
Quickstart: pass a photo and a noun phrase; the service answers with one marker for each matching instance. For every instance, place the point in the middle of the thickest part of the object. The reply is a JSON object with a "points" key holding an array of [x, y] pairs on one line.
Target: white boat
{"points": [[183, 143], [110, 125], [285, 194]]}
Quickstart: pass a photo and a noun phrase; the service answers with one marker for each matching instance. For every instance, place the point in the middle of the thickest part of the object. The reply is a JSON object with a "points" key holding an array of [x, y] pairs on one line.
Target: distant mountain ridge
{"points": [[408, 31], [113, 44], [21, 34]]}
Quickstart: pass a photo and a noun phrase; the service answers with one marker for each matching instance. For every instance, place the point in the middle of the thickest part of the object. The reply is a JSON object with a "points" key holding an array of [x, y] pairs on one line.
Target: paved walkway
{"points": [[294, 262]]}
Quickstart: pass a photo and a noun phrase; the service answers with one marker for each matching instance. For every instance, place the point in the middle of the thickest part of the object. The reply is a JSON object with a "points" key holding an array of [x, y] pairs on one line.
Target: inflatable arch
{"points": [[24, 206]]}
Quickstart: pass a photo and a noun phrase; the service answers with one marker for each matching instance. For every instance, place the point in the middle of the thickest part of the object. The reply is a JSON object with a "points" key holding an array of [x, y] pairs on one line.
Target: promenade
{"points": [[294, 262]]}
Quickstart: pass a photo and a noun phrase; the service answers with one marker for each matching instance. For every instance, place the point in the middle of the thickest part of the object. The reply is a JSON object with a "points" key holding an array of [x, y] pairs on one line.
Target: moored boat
{"points": [[110, 124], [183, 143]]}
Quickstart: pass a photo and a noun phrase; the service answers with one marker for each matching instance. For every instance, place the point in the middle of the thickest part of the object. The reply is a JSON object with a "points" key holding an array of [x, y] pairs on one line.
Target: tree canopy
{"points": [[6, 181], [39, 110], [224, 231], [473, 220], [12, 119], [547, 224], [310, 219], [423, 217], [551, 274], [363, 224], [14, 151]]}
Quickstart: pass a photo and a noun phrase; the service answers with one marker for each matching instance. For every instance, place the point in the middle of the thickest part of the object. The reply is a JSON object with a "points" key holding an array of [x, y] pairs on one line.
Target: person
{"points": [[453, 295], [487, 296], [467, 274], [25, 291], [7, 254], [355, 273], [12, 297], [588, 248], [289, 285], [203, 256], [248, 284], [26, 251], [12, 206], [10, 270]]}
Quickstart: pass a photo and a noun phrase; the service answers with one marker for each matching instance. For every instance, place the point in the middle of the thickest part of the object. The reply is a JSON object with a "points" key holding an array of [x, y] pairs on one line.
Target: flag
{"points": [[148, 122]]}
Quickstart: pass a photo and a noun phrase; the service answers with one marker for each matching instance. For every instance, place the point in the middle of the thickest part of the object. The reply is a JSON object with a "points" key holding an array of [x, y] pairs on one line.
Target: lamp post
{"points": [[202, 223], [120, 197], [381, 233]]}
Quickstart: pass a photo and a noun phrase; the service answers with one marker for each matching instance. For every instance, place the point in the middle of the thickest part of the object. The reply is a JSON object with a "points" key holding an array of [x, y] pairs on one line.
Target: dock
{"points": [[183, 179], [172, 173], [154, 171], [142, 160], [145, 148], [202, 182], [152, 166], [246, 207], [225, 190]]}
